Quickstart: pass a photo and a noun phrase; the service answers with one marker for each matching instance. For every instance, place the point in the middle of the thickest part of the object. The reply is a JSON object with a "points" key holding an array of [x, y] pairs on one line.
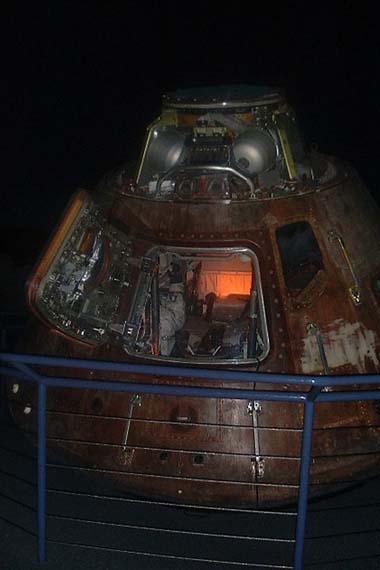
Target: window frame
{"points": [[293, 292], [195, 253]]}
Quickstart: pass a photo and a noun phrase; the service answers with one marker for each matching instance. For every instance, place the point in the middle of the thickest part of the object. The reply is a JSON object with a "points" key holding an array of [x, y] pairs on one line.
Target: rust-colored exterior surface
{"points": [[203, 450]]}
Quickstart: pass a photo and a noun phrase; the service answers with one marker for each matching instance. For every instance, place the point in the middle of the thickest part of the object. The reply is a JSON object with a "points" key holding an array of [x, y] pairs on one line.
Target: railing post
{"points": [[304, 477], [41, 473]]}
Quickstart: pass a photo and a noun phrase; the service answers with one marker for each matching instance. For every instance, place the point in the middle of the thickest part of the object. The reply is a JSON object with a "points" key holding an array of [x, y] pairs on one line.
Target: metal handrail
{"points": [[21, 366]]}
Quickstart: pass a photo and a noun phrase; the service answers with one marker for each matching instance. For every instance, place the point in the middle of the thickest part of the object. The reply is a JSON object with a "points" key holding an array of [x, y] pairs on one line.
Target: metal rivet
{"points": [[27, 409]]}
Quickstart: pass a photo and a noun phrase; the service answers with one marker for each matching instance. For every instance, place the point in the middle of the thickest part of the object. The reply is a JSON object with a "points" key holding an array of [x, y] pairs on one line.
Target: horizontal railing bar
{"points": [[341, 534], [142, 420], [203, 392], [339, 560], [169, 449], [17, 502], [174, 557], [172, 477], [153, 386], [344, 507], [215, 374], [20, 527], [148, 448], [51, 411], [170, 531], [171, 505], [347, 427], [171, 422], [207, 452], [357, 395], [347, 454], [148, 421], [157, 370], [172, 389], [347, 482], [177, 390], [17, 478]]}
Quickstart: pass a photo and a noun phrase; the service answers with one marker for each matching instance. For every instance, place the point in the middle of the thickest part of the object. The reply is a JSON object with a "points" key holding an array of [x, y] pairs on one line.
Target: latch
{"points": [[254, 406], [258, 466]]}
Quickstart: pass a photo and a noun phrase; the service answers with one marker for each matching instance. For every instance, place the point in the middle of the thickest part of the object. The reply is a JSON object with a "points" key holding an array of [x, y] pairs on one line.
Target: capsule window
{"points": [[199, 305], [300, 255]]}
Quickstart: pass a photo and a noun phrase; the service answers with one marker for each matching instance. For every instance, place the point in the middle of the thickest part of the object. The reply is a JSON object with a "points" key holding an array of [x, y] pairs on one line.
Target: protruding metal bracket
{"points": [[313, 330], [354, 289]]}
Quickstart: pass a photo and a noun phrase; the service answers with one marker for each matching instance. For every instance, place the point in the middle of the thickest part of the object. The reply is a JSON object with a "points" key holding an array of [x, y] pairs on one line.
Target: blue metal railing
{"points": [[22, 366]]}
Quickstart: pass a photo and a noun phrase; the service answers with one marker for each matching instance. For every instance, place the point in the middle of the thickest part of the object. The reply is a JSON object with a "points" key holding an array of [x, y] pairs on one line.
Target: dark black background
{"points": [[82, 81]]}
